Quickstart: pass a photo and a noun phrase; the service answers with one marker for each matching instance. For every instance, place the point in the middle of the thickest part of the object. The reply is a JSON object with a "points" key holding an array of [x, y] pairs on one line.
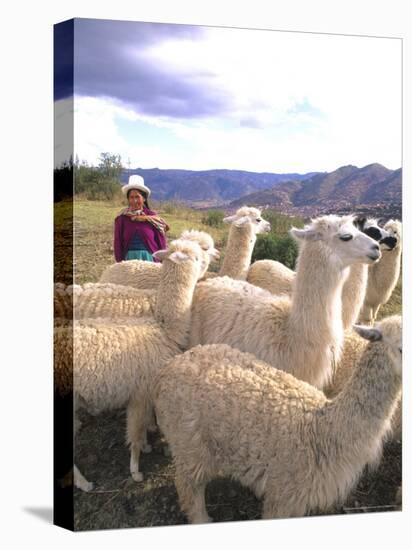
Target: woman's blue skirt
{"points": [[139, 255]]}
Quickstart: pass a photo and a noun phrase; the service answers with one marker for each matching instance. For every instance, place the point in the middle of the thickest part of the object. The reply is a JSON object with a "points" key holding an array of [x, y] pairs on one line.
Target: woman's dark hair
{"points": [[144, 195]]}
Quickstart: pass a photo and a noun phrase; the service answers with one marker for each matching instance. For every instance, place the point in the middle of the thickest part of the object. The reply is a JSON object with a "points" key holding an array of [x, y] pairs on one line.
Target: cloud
{"points": [[192, 97], [116, 59]]}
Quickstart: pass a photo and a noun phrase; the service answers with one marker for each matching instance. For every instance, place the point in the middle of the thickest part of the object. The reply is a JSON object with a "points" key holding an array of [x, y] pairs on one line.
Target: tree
{"points": [[110, 166], [101, 182]]}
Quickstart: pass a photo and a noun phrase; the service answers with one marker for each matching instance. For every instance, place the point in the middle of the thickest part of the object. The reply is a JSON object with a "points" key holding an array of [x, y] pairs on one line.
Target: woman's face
{"points": [[136, 200]]}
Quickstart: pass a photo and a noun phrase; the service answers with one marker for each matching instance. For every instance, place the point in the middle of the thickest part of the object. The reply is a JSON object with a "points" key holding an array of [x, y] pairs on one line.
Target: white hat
{"points": [[136, 182]]}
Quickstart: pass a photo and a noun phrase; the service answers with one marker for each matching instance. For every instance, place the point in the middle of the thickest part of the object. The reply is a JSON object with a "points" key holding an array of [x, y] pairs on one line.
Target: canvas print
{"points": [[228, 290]]}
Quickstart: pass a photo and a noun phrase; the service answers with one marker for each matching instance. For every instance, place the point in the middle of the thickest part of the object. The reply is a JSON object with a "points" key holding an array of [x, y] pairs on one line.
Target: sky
{"points": [[200, 98]]}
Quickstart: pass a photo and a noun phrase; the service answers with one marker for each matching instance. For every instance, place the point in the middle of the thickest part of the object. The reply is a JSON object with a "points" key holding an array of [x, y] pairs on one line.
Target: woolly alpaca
{"points": [[65, 472], [278, 279], [113, 362], [107, 300], [245, 225], [302, 334], [353, 347], [146, 275], [383, 277], [112, 301], [225, 413]]}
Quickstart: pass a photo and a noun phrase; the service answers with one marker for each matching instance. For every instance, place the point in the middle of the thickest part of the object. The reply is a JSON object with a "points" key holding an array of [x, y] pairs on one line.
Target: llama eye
{"points": [[345, 237], [400, 350], [258, 220]]}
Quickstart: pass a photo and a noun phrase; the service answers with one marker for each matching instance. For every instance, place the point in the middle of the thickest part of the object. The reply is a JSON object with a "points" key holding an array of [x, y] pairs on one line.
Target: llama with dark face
{"points": [[383, 277]]}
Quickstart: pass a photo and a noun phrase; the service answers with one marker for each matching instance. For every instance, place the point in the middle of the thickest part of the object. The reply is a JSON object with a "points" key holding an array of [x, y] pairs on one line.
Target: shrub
{"points": [[213, 218], [284, 249]]}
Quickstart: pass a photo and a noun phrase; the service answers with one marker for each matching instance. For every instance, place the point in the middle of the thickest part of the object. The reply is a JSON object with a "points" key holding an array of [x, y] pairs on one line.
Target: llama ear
{"points": [[371, 334], [359, 222], [229, 219], [178, 257], [307, 234], [160, 255], [214, 253], [241, 221]]}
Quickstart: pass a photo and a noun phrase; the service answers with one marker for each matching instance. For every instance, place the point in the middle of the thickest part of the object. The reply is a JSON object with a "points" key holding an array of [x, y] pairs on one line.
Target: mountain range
{"points": [[345, 189], [372, 188], [208, 187]]}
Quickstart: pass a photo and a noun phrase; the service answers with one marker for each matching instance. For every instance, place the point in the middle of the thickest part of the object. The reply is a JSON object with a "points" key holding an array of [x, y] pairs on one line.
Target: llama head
{"points": [[371, 227], [342, 239], [186, 254], [249, 218], [205, 242], [394, 229], [389, 332]]}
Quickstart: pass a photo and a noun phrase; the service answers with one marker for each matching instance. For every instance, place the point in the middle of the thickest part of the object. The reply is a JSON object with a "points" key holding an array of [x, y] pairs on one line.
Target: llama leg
{"points": [[374, 314], [150, 420], [366, 316], [152, 425], [192, 499], [137, 414], [80, 481], [146, 447]]}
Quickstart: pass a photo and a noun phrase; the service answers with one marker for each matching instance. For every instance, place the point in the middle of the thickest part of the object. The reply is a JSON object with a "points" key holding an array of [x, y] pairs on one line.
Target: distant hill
{"points": [[209, 187], [371, 188]]}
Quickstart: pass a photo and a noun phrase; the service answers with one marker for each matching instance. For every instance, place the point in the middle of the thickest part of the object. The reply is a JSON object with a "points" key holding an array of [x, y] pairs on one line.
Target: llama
{"points": [[278, 279], [225, 413], [302, 334], [383, 277], [246, 223], [146, 275], [113, 362], [353, 348]]}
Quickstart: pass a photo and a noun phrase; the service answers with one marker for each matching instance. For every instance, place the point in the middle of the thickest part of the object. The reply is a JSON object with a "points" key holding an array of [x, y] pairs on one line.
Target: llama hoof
{"points": [[84, 485], [167, 452], [147, 448], [137, 476], [202, 519], [89, 486]]}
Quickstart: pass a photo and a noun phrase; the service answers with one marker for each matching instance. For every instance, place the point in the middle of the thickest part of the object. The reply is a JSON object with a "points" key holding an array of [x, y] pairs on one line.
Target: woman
{"points": [[138, 231]]}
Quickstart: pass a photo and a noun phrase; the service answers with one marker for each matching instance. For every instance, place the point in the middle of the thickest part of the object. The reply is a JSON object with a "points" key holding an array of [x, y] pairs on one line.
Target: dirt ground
{"points": [[119, 502]]}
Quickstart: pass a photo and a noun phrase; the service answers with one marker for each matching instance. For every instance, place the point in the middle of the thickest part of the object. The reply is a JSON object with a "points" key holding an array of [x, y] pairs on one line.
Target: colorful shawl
{"points": [[139, 216]]}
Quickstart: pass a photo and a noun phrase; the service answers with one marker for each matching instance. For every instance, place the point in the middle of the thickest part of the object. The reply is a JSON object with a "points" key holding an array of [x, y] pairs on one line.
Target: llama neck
{"points": [[174, 300], [238, 253], [317, 291], [353, 294], [316, 312], [364, 407]]}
